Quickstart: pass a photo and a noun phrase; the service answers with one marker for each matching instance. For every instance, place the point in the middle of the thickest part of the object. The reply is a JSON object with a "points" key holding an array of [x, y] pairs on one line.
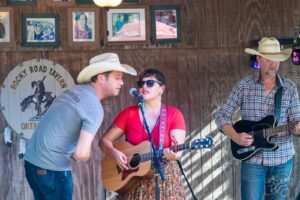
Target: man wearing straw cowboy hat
{"points": [[267, 172], [69, 126]]}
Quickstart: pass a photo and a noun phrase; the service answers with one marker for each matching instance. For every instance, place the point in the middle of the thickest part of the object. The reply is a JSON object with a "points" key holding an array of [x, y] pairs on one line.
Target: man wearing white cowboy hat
{"points": [[264, 172], [69, 126]]}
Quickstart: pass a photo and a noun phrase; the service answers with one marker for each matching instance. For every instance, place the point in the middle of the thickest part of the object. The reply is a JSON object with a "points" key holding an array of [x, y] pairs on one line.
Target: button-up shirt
{"points": [[248, 95]]}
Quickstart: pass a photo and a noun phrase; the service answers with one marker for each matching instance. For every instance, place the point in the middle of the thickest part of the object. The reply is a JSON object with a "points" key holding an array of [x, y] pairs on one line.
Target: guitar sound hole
{"points": [[135, 161]]}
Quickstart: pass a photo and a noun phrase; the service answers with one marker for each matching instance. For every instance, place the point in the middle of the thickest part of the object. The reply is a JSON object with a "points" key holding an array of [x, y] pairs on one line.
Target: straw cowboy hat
{"points": [[269, 48], [103, 63]]}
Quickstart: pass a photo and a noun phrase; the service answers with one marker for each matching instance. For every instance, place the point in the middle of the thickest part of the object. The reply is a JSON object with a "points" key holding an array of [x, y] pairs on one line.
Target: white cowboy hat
{"points": [[269, 48], [103, 63]]}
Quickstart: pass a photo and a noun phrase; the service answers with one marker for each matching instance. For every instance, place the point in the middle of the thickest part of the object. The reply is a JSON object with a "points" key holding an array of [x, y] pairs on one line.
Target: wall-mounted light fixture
{"points": [[253, 62], [296, 56], [107, 3]]}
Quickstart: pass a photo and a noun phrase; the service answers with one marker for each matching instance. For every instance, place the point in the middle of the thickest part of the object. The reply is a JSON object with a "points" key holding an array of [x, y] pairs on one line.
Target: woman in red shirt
{"points": [[151, 86]]}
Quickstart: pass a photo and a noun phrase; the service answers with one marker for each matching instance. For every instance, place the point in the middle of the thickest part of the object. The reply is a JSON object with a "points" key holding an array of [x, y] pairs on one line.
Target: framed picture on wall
{"points": [[126, 25], [165, 24], [83, 26], [21, 2], [60, 2], [6, 26], [40, 30]]}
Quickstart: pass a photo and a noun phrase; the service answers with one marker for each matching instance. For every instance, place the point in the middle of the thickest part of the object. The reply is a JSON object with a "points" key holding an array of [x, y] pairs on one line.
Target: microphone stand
{"points": [[156, 153]]}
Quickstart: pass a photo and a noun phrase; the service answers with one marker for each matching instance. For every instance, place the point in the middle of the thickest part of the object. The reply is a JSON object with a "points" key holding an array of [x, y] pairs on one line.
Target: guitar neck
{"points": [[278, 129], [150, 155]]}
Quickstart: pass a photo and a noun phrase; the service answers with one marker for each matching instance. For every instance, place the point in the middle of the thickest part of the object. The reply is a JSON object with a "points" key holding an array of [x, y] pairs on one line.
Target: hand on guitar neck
{"points": [[172, 153]]}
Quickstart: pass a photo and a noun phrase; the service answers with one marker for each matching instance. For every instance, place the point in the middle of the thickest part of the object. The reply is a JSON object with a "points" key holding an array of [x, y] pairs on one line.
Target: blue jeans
{"points": [[298, 197], [271, 182], [47, 184]]}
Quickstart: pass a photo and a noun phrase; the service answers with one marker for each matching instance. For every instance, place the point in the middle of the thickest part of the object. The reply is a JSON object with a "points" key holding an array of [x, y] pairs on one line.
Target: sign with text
{"points": [[29, 90]]}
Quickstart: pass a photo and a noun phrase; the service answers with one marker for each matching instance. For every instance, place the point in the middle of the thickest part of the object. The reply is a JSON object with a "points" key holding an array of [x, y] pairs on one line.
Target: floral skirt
{"points": [[170, 189]]}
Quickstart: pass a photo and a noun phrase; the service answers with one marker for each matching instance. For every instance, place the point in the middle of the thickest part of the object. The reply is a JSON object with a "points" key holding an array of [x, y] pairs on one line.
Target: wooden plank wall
{"points": [[200, 72]]}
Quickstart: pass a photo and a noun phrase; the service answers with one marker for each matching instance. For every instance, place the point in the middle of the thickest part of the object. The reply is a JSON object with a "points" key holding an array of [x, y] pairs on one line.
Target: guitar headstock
{"points": [[202, 143]]}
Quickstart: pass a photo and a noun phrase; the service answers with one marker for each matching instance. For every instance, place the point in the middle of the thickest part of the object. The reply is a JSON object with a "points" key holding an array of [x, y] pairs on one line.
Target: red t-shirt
{"points": [[129, 121]]}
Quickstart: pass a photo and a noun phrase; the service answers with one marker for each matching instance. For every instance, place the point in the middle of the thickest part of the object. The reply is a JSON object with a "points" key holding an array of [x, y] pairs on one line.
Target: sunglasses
{"points": [[149, 83]]}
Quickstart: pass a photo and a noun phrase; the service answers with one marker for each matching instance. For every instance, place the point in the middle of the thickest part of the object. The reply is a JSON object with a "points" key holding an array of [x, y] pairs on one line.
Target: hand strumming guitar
{"points": [[121, 159], [242, 139], [106, 145]]}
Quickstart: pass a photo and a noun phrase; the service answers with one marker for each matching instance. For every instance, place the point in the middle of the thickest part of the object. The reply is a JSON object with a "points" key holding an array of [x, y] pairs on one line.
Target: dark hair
{"points": [[106, 74], [153, 72], [78, 15]]}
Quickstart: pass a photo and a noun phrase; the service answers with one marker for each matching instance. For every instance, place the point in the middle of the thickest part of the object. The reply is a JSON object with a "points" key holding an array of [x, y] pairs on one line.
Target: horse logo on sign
{"points": [[39, 97]]}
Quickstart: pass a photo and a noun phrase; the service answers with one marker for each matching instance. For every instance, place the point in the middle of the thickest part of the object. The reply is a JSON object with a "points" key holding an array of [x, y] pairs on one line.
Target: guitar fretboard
{"points": [[150, 155], [279, 129]]}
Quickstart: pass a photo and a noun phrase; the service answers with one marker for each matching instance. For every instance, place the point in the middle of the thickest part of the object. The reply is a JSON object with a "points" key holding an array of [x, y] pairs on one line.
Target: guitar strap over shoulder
{"points": [[162, 126], [162, 129], [278, 97]]}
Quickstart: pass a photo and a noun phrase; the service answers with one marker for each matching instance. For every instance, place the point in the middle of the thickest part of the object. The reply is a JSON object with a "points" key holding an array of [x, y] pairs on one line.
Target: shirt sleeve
{"points": [[227, 109], [121, 120], [294, 111], [92, 120], [178, 121]]}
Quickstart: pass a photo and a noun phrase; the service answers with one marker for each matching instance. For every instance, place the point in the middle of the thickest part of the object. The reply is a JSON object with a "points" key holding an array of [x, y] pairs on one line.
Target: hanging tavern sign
{"points": [[29, 90]]}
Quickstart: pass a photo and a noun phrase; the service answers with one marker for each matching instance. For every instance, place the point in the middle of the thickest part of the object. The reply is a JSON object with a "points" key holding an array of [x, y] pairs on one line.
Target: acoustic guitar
{"points": [[261, 131], [139, 163]]}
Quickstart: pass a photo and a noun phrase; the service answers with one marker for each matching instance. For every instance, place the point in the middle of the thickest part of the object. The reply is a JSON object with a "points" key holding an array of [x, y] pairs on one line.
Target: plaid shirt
{"points": [[248, 95]]}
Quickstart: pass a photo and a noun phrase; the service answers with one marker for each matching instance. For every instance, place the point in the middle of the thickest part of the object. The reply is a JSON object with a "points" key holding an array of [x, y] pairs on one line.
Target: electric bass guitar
{"points": [[261, 131], [139, 162]]}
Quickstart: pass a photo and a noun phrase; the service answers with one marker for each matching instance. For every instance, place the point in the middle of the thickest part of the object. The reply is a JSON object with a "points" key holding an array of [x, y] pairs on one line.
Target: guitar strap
{"points": [[278, 97], [162, 129], [162, 126]]}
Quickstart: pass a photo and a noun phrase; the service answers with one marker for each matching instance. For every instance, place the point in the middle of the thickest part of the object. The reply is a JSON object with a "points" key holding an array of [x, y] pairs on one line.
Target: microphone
{"points": [[138, 96]]}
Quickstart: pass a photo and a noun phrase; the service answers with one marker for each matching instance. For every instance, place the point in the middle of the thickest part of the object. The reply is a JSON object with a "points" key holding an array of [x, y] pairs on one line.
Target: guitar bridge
{"points": [[126, 173]]}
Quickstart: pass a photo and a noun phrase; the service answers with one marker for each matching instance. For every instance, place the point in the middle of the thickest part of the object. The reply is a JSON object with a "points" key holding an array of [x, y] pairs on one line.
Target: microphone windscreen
{"points": [[132, 91]]}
